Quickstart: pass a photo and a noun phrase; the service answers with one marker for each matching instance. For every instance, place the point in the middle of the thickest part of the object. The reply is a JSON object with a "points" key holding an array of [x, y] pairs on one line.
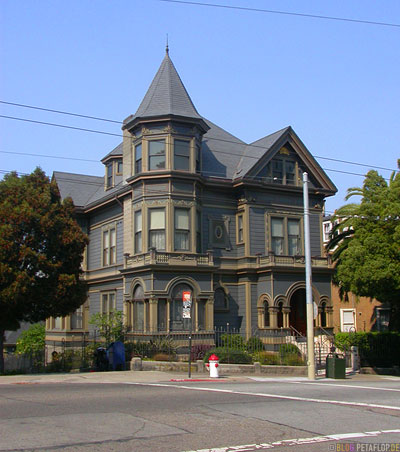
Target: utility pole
{"points": [[309, 300]]}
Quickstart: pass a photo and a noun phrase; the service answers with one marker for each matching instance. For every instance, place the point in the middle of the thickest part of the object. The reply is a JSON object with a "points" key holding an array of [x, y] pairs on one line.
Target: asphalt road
{"points": [[225, 415]]}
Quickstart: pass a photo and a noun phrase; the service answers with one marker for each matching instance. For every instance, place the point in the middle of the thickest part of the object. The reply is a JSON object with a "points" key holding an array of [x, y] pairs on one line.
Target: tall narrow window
{"points": [[138, 309], [109, 175], [294, 237], [138, 232], [162, 315], [277, 237], [277, 171], [240, 229], [109, 246], [119, 166], [290, 171], [280, 315], [266, 315], [197, 159], [138, 158], [157, 154], [181, 155], [108, 303], [182, 229], [198, 232], [157, 229], [77, 319], [323, 315]]}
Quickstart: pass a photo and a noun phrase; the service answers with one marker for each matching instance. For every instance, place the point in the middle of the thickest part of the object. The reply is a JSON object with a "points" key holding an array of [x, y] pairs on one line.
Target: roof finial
{"points": [[167, 48]]}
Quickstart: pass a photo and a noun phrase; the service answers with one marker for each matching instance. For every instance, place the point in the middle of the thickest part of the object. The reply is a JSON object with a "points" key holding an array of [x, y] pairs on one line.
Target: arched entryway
{"points": [[298, 316]]}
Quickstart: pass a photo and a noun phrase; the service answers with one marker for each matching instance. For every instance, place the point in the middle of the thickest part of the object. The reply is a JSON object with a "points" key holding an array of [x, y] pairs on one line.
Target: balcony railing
{"points": [[154, 257], [162, 258]]}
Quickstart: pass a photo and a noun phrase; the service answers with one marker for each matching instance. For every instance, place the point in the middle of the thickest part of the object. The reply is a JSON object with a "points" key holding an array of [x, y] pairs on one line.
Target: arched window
{"points": [[266, 314], [138, 309], [220, 300], [323, 315], [177, 320], [280, 315]]}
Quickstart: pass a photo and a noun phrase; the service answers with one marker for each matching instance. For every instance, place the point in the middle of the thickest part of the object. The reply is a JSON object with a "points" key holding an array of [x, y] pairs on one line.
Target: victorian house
{"points": [[185, 209]]}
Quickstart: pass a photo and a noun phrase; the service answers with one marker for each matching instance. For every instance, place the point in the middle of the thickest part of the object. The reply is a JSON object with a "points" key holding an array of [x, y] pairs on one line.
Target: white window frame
{"points": [[346, 326], [109, 245], [138, 232]]}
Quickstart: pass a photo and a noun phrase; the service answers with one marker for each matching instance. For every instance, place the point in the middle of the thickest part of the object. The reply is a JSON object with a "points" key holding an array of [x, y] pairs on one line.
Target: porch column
{"points": [[329, 316], [261, 316], [153, 304], [210, 314], [273, 316], [286, 312], [248, 309]]}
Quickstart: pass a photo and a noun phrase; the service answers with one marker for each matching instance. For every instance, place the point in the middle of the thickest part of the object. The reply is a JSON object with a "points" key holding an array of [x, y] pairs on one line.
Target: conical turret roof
{"points": [[167, 95]]}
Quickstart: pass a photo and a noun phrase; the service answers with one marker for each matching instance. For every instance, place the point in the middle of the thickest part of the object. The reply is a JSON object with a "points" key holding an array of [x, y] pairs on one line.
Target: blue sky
{"points": [[336, 83]]}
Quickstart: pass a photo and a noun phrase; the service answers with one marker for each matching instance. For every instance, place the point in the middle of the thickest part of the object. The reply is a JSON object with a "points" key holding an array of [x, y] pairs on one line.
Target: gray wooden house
{"points": [[184, 206]]}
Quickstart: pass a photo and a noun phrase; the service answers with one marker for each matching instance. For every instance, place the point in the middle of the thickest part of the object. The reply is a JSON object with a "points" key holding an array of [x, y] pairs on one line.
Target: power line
{"points": [[62, 126], [49, 156], [206, 138], [286, 13], [33, 107]]}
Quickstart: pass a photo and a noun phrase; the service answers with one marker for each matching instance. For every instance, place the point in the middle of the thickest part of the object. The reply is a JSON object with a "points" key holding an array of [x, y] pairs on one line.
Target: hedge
{"points": [[375, 349]]}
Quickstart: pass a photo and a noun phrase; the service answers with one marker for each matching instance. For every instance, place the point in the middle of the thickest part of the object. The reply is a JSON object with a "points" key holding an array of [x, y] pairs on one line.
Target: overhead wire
{"points": [[286, 13], [81, 129]]}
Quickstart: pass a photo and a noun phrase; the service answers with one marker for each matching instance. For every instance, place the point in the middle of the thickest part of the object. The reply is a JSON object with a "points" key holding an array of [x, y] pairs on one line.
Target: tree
{"points": [[41, 250], [365, 242], [110, 325], [32, 340]]}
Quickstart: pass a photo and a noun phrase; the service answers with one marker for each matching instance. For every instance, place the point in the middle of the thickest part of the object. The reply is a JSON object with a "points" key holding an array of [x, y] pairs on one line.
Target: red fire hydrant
{"points": [[212, 365]]}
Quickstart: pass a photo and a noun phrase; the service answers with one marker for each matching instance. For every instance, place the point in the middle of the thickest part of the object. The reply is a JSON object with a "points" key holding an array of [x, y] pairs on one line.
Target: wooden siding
{"points": [[105, 214], [257, 231]]}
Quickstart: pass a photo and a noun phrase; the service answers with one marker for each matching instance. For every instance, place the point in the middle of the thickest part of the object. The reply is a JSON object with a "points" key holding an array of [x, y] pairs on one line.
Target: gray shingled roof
{"points": [[221, 152], [167, 95], [254, 151], [80, 187], [116, 152]]}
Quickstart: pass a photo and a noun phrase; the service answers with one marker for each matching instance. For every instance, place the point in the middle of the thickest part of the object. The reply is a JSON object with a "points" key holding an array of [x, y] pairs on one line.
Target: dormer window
{"points": [[279, 171], [182, 155], [156, 154], [109, 175], [119, 167]]}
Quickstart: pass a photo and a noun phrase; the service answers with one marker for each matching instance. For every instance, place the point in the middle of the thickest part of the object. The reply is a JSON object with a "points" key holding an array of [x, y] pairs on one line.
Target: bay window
{"points": [[138, 232], [182, 235], [181, 155], [156, 154], [138, 158], [157, 229]]}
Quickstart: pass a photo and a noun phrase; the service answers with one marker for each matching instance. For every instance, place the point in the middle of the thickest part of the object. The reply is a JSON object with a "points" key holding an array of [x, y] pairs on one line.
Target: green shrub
{"points": [[266, 358], [288, 349], [292, 359], [229, 356], [254, 344], [234, 341]]}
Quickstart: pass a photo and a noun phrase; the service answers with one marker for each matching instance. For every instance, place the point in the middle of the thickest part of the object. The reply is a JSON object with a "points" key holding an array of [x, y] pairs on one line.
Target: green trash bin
{"points": [[335, 367]]}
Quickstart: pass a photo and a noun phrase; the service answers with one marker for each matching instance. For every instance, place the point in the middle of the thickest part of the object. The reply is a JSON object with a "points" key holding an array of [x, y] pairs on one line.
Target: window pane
{"points": [[112, 237], [290, 170], [181, 163], [157, 147], [119, 166], [201, 313], [157, 162], [277, 245], [182, 147], [157, 219], [162, 315], [277, 171], [181, 240], [181, 219], [138, 316], [157, 240], [294, 227], [138, 221], [277, 227], [138, 151], [138, 242], [106, 239]]}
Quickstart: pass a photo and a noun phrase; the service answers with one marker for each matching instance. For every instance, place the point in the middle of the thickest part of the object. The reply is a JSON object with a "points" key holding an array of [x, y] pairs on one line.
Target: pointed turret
{"points": [[167, 95]]}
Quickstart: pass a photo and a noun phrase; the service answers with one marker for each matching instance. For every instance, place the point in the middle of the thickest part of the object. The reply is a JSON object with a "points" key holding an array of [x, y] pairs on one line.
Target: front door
{"points": [[298, 317]]}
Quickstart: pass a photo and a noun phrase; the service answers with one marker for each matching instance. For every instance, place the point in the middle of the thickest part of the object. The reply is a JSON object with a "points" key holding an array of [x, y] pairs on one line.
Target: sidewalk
{"points": [[129, 376]]}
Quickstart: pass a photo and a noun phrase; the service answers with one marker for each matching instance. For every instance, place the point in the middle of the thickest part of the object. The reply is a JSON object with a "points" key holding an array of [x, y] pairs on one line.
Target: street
{"points": [[244, 414]]}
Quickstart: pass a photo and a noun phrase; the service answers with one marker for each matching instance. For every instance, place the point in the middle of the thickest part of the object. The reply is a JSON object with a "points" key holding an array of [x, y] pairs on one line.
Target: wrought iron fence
{"points": [[265, 346]]}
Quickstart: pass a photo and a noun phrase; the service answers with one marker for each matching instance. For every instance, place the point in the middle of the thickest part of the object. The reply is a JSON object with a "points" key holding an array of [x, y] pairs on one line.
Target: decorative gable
{"points": [[283, 161]]}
